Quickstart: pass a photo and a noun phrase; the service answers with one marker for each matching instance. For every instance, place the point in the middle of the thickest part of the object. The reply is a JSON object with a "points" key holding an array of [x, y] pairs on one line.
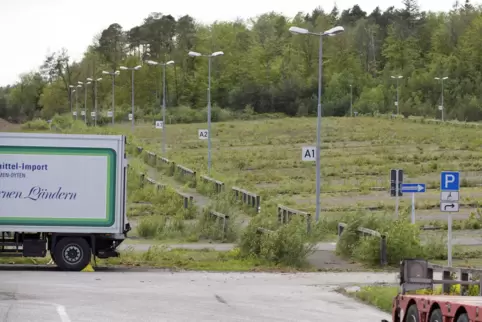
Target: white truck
{"points": [[62, 193]]}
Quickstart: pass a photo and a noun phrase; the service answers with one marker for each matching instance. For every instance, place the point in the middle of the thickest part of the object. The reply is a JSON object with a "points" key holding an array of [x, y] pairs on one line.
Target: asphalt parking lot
{"points": [[156, 295]]}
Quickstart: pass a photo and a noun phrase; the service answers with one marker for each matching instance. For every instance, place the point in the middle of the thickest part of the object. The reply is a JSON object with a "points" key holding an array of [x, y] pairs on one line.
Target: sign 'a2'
{"points": [[203, 134]]}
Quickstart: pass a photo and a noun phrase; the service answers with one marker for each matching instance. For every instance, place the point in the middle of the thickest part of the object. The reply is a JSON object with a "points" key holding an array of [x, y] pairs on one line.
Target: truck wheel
{"points": [[412, 314], [463, 318], [436, 316], [72, 254]]}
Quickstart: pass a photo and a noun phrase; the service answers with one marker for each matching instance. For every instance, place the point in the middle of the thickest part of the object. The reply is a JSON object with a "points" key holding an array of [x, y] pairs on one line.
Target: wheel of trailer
{"points": [[72, 254], [412, 314], [436, 316], [463, 318]]}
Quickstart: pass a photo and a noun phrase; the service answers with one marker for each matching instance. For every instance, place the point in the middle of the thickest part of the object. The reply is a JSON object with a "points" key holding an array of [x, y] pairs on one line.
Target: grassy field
{"points": [[264, 156]]}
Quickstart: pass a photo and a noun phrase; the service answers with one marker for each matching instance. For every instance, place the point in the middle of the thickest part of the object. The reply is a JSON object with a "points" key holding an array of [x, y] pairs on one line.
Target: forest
{"points": [[267, 69]]}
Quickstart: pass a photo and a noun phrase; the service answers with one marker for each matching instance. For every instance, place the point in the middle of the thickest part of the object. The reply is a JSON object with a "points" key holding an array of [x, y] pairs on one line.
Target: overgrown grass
{"points": [[210, 260], [161, 257]]}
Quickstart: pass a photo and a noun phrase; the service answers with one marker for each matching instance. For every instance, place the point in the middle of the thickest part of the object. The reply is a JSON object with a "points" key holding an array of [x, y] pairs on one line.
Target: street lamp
{"points": [[209, 56], [95, 96], [397, 78], [442, 103], [331, 32], [85, 98], [154, 63], [113, 74], [133, 69]]}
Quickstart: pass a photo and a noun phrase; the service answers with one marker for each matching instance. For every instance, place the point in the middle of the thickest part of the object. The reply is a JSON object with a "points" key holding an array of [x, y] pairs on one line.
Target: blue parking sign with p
{"points": [[449, 181]]}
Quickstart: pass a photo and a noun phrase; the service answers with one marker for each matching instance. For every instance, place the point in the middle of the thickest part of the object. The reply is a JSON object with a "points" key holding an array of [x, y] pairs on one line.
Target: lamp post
{"points": [[397, 78], [331, 32], [442, 103], [133, 69], [71, 91], [113, 74], [76, 102], [351, 100], [85, 98], [154, 63], [209, 56], [95, 81]]}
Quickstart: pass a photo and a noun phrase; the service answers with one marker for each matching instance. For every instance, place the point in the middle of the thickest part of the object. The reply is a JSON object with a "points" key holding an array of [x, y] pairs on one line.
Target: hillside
{"points": [[264, 156]]}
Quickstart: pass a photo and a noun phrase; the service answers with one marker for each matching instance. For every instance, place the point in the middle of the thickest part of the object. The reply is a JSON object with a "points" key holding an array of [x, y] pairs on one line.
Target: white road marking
{"points": [[62, 313]]}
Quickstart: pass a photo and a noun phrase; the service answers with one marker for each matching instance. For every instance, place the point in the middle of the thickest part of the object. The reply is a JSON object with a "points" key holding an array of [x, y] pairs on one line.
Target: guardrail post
{"points": [[141, 177], [341, 227], [186, 202]]}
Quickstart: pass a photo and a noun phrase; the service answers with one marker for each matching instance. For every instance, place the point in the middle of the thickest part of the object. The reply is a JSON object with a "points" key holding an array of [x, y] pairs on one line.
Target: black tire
{"points": [[436, 316], [412, 314], [72, 254], [463, 318]]}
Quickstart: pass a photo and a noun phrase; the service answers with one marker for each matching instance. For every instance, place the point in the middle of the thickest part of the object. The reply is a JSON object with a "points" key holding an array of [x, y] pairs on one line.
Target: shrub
{"points": [[36, 125], [288, 245]]}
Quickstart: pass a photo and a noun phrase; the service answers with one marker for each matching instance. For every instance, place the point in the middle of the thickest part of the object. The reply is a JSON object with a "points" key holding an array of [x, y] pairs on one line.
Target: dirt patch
{"points": [[328, 260], [7, 126]]}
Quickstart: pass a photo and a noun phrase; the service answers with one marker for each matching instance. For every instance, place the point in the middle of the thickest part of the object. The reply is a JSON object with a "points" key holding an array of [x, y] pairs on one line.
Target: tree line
{"points": [[267, 69]]}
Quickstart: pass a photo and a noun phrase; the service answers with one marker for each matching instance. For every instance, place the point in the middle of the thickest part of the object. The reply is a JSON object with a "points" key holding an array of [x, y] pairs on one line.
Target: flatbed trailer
{"points": [[418, 274]]}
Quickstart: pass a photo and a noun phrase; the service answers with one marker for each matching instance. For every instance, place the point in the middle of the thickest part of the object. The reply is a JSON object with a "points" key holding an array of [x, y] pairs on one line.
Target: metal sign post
{"points": [[449, 202], [413, 188], [396, 181]]}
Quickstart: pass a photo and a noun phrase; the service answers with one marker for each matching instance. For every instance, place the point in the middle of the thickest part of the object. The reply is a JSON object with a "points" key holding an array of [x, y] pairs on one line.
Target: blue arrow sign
{"points": [[413, 187]]}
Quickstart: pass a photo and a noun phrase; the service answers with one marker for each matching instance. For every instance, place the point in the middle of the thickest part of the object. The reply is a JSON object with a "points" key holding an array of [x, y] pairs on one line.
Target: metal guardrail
{"points": [[224, 220], [249, 198], [151, 158], [163, 160], [370, 232], [261, 230], [285, 214], [186, 172], [187, 199], [218, 185]]}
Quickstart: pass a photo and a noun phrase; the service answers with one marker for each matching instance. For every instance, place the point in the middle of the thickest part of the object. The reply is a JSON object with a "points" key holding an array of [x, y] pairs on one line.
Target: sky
{"points": [[30, 29]]}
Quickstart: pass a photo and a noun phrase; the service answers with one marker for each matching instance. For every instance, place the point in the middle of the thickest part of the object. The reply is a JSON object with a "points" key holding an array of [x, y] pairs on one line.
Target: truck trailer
{"points": [[64, 194], [417, 274]]}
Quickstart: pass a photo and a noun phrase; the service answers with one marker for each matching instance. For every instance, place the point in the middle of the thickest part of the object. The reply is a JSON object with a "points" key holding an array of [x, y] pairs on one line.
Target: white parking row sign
{"points": [[202, 134], [159, 124], [308, 153]]}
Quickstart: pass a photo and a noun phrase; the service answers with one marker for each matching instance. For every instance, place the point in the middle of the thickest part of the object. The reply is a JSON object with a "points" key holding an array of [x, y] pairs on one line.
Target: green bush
{"points": [[289, 244], [62, 122], [403, 240], [36, 125]]}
